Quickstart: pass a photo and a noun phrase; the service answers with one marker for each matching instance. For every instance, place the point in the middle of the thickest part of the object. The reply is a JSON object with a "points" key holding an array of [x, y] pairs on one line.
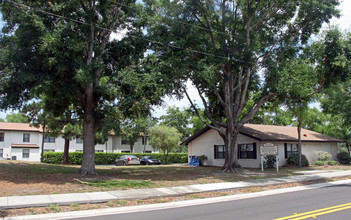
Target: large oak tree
{"points": [[232, 50], [66, 50]]}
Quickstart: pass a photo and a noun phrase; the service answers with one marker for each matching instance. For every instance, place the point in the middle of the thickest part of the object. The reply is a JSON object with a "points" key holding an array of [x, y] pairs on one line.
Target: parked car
{"points": [[149, 160], [127, 160]]}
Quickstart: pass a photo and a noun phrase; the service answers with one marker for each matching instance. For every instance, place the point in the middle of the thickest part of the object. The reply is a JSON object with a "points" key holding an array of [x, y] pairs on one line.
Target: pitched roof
{"points": [[274, 133], [9, 126]]}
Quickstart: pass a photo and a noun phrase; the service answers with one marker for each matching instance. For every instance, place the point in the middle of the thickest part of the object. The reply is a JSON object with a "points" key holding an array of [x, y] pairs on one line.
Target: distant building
{"points": [[20, 141]]}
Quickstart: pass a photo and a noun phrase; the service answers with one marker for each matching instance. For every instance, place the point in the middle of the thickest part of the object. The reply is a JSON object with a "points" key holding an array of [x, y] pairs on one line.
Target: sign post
{"points": [[269, 149]]}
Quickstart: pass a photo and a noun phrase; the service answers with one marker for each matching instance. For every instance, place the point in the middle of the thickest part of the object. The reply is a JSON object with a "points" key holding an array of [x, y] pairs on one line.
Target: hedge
{"points": [[101, 158], [328, 162]]}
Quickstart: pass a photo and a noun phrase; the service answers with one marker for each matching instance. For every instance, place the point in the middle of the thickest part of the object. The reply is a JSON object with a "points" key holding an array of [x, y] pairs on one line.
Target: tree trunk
{"points": [[42, 144], [66, 152], [132, 148], [166, 156], [231, 163], [88, 163], [348, 147], [299, 149]]}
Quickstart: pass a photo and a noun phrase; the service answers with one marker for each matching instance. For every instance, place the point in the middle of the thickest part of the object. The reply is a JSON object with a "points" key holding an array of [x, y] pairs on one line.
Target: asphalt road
{"points": [[332, 202]]}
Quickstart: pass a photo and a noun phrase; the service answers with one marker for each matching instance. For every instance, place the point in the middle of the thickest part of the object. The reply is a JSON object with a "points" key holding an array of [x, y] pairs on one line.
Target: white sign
{"points": [[268, 149]]}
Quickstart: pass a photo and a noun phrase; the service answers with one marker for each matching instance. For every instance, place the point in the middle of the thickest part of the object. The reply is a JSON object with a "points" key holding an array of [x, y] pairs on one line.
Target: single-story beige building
{"points": [[208, 142]]}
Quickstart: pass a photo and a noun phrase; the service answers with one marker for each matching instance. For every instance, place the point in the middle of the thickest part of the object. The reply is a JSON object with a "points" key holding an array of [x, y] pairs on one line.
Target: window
{"points": [[26, 137], [125, 141], [219, 152], [79, 141], [2, 137], [247, 151], [25, 153], [125, 151], [148, 151], [99, 151], [49, 150], [79, 150], [144, 140], [49, 139], [1, 153], [289, 148]]}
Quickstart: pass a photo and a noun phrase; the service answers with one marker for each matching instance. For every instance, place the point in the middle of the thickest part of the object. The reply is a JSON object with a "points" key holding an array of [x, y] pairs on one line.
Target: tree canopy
{"points": [[232, 50], [66, 50], [164, 138]]}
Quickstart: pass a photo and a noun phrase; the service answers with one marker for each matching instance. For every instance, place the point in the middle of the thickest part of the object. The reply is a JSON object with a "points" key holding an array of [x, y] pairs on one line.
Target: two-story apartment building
{"points": [[20, 141]]}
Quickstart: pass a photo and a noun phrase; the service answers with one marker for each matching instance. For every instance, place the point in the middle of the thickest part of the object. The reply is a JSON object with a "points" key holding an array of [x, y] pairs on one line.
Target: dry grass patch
{"points": [[29, 178]]}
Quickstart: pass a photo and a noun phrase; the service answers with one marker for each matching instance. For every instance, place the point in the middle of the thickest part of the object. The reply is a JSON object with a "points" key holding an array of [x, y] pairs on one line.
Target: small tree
{"points": [[164, 138]]}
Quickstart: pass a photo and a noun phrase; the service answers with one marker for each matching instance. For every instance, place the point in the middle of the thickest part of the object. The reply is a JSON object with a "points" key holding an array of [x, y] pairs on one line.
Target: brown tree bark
{"points": [[66, 152]]}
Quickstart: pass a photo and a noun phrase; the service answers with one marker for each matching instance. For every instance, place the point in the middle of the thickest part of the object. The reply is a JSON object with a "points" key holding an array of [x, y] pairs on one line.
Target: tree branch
{"points": [[255, 108]]}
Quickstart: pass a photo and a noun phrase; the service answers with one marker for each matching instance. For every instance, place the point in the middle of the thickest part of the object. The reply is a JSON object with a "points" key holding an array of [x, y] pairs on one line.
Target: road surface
{"points": [[333, 202]]}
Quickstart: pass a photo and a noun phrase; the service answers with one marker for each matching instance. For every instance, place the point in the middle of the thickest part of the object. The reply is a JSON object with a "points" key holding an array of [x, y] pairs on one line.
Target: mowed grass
{"points": [[28, 178]]}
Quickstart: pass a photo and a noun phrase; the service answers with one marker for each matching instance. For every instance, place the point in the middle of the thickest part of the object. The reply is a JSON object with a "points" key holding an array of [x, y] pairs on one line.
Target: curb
{"points": [[14, 202], [187, 203]]}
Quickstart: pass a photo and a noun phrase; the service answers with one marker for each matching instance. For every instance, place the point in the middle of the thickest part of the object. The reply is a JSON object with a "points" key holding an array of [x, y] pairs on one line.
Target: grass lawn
{"points": [[29, 178]]}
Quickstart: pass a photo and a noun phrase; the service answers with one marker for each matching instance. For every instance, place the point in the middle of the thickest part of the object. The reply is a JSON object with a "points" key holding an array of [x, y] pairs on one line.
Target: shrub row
{"points": [[109, 158], [328, 162]]}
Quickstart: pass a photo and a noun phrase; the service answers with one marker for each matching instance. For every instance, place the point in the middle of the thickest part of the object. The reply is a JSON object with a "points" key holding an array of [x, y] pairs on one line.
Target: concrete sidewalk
{"points": [[133, 194]]}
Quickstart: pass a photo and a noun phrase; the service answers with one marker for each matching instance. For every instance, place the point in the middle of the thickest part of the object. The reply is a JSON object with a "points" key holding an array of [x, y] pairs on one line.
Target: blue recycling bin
{"points": [[196, 161], [191, 161]]}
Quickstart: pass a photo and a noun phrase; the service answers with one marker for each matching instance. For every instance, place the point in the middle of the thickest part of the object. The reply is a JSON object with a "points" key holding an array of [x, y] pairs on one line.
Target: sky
{"points": [[344, 22]]}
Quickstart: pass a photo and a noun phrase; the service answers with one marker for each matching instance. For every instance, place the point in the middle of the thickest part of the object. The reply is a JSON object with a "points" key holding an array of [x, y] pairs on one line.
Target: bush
{"points": [[202, 159], [344, 158], [293, 159], [329, 162], [333, 162], [270, 161], [322, 155], [101, 158], [319, 163]]}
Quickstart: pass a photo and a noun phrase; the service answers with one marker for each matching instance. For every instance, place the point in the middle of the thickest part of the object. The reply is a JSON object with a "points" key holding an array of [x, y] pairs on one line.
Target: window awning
{"points": [[24, 146]]}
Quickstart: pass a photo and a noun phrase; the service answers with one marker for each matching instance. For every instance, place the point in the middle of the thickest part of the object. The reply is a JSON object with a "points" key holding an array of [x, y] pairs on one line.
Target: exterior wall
{"points": [[34, 154], [309, 148], [205, 145], [16, 137], [113, 144], [206, 142]]}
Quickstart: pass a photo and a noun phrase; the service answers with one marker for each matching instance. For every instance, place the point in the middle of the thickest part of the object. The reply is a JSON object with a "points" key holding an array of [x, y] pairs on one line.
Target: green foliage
{"points": [[233, 42], [132, 128], [322, 155], [320, 163], [177, 118], [79, 65], [202, 159], [333, 162], [101, 158], [164, 138], [326, 162], [17, 118], [270, 161], [293, 159], [344, 158]]}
